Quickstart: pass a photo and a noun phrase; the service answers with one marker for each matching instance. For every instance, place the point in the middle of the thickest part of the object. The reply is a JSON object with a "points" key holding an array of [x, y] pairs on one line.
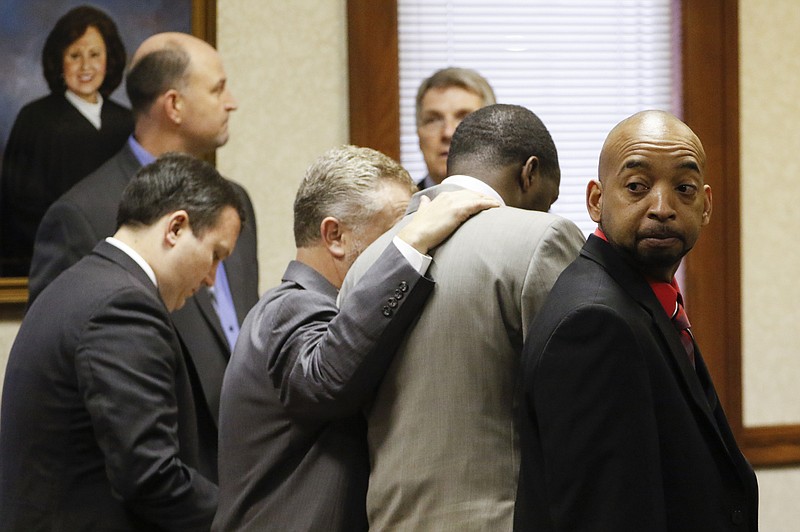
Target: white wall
{"points": [[287, 65], [769, 71]]}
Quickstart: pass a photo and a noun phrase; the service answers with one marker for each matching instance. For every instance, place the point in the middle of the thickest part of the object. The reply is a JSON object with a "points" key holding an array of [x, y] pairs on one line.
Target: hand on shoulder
{"points": [[437, 219]]}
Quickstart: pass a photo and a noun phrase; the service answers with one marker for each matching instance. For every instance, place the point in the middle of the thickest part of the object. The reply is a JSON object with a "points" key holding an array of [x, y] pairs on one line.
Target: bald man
{"points": [[621, 428], [178, 91]]}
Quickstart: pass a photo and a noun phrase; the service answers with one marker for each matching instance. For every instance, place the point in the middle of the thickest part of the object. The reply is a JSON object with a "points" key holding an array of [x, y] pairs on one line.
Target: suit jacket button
{"points": [[737, 516], [392, 302], [387, 311], [404, 286], [398, 294]]}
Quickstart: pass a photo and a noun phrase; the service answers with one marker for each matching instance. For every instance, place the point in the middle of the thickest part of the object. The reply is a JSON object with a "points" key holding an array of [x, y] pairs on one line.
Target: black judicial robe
{"points": [[51, 147]]}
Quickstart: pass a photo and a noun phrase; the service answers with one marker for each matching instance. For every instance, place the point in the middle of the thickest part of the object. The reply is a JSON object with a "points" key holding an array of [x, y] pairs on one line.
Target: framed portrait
{"points": [[24, 26]]}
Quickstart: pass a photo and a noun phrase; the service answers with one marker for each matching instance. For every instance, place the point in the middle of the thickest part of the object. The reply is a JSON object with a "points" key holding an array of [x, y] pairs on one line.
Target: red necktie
{"points": [[681, 322]]}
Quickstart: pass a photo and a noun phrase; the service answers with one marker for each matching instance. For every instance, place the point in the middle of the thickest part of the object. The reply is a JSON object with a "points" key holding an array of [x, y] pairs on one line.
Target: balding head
{"points": [[178, 91], [648, 126], [171, 39], [162, 62]]}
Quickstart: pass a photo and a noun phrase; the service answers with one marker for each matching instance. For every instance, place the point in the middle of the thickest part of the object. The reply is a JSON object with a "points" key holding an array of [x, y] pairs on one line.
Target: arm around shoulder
{"points": [[338, 364]]}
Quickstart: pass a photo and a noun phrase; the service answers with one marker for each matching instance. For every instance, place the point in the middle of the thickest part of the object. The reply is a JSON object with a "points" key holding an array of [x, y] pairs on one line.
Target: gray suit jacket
{"points": [[442, 442], [98, 421], [86, 214], [292, 440]]}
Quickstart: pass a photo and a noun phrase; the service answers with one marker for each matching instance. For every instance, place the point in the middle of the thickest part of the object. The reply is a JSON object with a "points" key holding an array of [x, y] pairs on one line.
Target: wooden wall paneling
{"points": [[374, 75], [204, 20]]}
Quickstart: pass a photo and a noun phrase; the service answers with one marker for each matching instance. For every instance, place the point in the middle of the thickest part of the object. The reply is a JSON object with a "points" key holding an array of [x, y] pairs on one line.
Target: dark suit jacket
{"points": [[86, 214], [293, 451], [619, 432], [98, 421]]}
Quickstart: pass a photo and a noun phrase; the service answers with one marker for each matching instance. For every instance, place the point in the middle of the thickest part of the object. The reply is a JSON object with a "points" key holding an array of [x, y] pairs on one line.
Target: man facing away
{"points": [[621, 426], [292, 442], [442, 443], [99, 429], [181, 102], [443, 100]]}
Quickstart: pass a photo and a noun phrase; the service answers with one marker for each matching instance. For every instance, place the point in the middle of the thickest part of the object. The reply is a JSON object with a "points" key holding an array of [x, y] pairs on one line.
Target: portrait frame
{"points": [[200, 18]]}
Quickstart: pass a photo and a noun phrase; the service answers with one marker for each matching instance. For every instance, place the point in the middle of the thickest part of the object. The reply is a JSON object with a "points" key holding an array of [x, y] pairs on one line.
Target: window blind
{"points": [[580, 65]]}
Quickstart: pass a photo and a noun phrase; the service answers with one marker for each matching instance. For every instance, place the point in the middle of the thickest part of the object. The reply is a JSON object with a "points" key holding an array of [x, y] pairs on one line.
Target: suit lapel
{"points": [[696, 379]]}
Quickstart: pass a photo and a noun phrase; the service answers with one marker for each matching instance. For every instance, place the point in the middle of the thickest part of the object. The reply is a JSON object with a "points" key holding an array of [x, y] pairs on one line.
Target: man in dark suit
{"points": [[621, 427], [177, 88], [99, 430], [292, 444]]}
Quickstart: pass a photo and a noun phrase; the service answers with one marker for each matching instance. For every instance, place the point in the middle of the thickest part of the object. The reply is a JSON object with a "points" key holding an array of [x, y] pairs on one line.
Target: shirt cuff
{"points": [[417, 260]]}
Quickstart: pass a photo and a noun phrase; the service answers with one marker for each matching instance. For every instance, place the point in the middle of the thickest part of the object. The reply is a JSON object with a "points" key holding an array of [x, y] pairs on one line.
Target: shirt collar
{"points": [[475, 185], [132, 253], [91, 111], [143, 156]]}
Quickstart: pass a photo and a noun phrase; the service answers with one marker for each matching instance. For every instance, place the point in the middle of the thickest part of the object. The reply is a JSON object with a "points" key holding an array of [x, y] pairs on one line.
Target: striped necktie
{"points": [[681, 322]]}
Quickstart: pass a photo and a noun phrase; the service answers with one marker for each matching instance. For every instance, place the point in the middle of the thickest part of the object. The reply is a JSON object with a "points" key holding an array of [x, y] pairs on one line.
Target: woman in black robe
{"points": [[59, 139]]}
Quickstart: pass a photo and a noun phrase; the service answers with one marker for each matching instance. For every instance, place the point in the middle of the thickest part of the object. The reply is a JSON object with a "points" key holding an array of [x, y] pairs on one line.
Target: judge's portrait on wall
{"points": [[63, 106]]}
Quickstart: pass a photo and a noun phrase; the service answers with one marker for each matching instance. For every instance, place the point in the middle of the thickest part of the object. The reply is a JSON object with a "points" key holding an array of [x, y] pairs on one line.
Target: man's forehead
{"points": [[634, 142], [679, 161], [436, 95]]}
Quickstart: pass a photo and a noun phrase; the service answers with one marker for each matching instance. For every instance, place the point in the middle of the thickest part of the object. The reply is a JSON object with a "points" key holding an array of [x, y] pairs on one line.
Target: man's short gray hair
{"points": [[342, 183]]}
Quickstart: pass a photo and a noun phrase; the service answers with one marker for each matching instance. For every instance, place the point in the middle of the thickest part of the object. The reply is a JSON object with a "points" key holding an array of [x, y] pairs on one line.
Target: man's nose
{"points": [[231, 104], [450, 125], [661, 206]]}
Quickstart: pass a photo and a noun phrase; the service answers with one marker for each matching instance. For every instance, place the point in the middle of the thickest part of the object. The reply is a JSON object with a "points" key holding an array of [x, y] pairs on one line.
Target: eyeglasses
{"points": [[435, 124]]}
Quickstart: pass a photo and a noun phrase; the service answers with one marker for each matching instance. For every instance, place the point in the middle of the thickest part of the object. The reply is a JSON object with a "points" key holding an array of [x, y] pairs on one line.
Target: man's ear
{"points": [[529, 173], [173, 105], [330, 230], [706, 204], [594, 199], [177, 225]]}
